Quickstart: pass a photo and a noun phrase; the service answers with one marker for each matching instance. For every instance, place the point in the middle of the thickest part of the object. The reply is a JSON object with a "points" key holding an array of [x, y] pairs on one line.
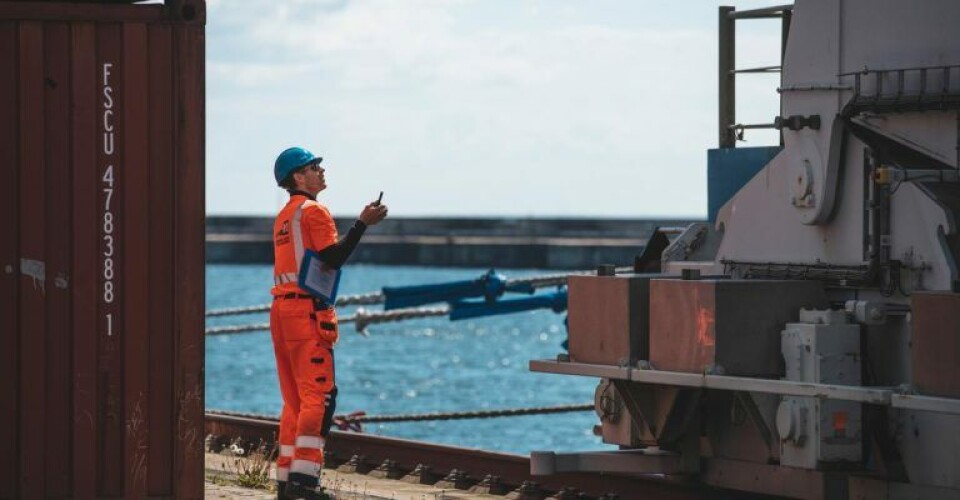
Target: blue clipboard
{"points": [[319, 278]]}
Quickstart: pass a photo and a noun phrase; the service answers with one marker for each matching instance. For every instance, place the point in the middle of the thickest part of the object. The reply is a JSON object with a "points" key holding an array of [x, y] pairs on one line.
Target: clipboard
{"points": [[318, 278]]}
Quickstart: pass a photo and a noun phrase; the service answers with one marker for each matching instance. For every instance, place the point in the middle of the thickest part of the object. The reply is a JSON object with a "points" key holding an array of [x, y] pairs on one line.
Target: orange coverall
{"points": [[303, 339]]}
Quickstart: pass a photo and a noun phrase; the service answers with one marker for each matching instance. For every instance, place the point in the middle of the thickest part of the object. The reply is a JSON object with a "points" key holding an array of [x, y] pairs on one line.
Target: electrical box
{"points": [[822, 348]]}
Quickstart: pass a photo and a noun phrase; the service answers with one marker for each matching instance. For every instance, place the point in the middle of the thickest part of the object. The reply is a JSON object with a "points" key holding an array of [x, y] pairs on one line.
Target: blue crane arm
{"points": [[490, 286], [464, 309]]}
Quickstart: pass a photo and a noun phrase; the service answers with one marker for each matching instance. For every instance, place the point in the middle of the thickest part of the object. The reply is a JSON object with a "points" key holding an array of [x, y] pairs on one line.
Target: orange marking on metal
{"points": [[839, 423], [705, 323]]}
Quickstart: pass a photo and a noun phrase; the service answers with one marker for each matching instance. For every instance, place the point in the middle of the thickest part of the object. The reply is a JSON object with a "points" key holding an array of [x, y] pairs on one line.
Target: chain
{"points": [[463, 415], [424, 417]]}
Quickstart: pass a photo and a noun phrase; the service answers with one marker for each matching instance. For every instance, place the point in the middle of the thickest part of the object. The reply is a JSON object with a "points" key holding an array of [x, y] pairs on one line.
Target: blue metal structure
{"points": [[490, 286], [728, 169], [464, 309]]}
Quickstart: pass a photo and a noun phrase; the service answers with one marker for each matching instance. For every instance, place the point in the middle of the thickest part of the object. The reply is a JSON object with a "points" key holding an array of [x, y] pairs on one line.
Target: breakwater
{"points": [[458, 242]]}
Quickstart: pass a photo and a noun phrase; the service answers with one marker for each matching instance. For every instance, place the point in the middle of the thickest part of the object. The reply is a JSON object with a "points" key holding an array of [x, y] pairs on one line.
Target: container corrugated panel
{"points": [[101, 253]]}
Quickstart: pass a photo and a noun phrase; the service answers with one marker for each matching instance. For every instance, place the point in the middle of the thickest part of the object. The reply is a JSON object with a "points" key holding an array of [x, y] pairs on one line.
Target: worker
{"points": [[304, 327]]}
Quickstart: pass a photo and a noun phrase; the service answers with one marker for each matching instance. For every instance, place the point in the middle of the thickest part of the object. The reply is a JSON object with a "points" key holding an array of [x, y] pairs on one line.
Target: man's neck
{"points": [[296, 192]]}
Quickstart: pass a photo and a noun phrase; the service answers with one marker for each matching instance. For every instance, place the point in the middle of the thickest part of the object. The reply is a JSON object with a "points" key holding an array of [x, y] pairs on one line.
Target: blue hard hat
{"points": [[292, 159]]}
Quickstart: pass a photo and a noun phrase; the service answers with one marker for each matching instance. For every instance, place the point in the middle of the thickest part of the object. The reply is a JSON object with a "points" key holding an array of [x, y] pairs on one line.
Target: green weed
{"points": [[253, 469]]}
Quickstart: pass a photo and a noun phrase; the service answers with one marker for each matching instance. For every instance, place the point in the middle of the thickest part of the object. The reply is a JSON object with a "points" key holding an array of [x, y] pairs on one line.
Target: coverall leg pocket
{"points": [[326, 327], [321, 370]]}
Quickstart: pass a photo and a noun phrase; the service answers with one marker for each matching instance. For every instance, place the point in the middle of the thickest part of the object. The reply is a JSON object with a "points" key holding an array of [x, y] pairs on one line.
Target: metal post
{"points": [[726, 77], [786, 17], [784, 35]]}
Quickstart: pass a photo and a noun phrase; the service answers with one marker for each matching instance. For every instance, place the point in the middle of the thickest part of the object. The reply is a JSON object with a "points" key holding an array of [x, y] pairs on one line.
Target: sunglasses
{"points": [[315, 166]]}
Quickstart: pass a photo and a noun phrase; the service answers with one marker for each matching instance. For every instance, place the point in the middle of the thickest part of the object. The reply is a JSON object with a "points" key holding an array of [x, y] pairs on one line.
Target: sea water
{"points": [[419, 366]]}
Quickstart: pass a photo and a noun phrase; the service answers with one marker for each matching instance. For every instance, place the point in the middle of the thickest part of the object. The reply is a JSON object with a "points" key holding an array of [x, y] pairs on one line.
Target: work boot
{"points": [[296, 491], [281, 486]]}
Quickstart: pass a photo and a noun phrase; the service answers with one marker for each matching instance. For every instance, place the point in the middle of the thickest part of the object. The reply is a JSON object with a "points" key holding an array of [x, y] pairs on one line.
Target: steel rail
{"points": [[369, 451]]}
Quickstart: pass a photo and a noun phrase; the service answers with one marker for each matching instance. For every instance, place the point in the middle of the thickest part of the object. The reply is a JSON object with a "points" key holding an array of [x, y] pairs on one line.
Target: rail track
{"points": [[462, 468]]}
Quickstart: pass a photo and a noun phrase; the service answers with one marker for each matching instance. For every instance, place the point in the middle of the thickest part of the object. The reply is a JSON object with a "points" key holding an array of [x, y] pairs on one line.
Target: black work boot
{"points": [[296, 491]]}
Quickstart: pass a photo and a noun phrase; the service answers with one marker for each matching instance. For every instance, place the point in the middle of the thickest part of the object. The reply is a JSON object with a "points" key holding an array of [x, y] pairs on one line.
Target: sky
{"points": [[487, 108]]}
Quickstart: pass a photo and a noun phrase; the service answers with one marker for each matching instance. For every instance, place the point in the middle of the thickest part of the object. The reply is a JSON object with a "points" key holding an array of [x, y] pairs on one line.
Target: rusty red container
{"points": [[101, 253]]}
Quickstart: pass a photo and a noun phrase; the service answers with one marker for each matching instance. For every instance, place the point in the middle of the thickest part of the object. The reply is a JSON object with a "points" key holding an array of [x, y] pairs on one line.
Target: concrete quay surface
{"points": [[458, 242], [220, 483]]}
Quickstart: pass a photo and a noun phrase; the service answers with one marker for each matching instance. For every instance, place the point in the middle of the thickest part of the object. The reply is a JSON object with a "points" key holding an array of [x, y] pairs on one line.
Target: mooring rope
{"points": [[363, 299], [424, 417], [463, 415], [362, 319], [226, 330], [373, 298], [557, 279]]}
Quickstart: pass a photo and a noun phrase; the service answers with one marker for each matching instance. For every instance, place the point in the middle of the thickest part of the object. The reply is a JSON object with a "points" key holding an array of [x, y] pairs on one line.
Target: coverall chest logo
{"points": [[283, 235]]}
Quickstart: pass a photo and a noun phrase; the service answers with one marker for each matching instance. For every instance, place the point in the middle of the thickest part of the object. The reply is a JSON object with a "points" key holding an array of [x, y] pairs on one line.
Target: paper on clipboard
{"points": [[318, 278]]}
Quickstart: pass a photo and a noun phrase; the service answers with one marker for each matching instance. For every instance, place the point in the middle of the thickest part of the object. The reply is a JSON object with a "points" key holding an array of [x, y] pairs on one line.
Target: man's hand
{"points": [[373, 213]]}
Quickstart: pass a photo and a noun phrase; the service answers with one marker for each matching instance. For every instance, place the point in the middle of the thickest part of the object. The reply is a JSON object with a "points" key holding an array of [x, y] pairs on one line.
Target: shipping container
{"points": [[102, 249]]}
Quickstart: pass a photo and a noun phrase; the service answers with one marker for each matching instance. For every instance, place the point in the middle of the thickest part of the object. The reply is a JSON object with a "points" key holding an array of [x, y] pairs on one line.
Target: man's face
{"points": [[311, 179]]}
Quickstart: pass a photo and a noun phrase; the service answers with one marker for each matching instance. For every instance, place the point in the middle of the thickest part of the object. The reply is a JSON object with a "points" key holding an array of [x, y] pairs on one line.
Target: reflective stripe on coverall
{"points": [[303, 340]]}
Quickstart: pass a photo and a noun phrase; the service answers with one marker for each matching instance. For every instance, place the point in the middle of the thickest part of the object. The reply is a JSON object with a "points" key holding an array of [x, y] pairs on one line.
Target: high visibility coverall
{"points": [[303, 338]]}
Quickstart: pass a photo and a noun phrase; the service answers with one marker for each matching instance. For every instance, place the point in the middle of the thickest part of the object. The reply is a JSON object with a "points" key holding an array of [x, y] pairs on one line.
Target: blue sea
{"points": [[419, 366]]}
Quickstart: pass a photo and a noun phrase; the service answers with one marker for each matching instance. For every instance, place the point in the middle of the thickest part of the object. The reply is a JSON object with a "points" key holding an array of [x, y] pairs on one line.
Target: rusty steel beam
{"points": [[513, 469]]}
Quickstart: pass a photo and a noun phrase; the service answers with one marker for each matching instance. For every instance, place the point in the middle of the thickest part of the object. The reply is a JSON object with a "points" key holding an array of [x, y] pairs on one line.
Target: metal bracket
{"points": [[832, 181], [746, 401], [797, 122], [686, 243]]}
